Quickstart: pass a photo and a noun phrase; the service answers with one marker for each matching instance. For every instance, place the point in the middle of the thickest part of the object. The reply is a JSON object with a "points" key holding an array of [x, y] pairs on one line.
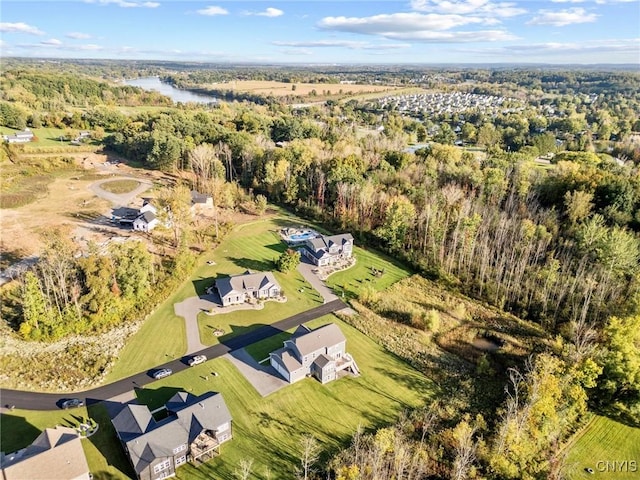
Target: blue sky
{"points": [[311, 31]]}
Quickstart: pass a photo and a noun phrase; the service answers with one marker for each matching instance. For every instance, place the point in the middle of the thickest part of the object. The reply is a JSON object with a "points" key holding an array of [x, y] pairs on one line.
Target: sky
{"points": [[326, 32]]}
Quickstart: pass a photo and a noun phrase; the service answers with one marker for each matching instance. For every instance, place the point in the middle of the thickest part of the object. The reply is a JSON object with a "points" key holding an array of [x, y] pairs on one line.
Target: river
{"points": [[177, 95]]}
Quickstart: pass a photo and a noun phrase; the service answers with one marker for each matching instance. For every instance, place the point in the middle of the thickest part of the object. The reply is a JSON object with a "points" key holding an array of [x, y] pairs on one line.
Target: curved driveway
{"points": [[50, 401], [120, 199]]}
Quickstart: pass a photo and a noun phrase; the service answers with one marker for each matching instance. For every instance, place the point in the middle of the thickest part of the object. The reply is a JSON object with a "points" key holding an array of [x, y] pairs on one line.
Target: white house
{"points": [[238, 288], [19, 137], [326, 250]]}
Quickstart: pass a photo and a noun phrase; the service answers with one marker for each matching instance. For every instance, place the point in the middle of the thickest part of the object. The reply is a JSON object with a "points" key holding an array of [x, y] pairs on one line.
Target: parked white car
{"points": [[197, 360]]}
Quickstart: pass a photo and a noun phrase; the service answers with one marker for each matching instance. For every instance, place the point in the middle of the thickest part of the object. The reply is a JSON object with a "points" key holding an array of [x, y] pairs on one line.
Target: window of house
{"points": [[181, 460], [162, 466], [180, 448]]}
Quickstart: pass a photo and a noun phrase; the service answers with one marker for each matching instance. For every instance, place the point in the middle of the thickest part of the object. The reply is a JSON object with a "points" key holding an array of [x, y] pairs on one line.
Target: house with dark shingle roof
{"points": [[56, 454], [319, 353], [193, 431], [237, 289], [147, 218], [326, 250]]}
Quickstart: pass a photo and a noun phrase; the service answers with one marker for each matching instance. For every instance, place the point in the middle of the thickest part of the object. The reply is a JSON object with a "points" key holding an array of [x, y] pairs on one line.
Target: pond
{"points": [[176, 94]]}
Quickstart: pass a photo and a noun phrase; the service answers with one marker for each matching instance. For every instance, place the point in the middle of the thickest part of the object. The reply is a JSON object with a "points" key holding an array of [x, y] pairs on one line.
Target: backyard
{"points": [[603, 442]]}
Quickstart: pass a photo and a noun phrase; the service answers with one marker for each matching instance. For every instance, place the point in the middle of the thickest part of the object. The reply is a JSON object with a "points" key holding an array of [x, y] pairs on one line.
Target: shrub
{"points": [[432, 320]]}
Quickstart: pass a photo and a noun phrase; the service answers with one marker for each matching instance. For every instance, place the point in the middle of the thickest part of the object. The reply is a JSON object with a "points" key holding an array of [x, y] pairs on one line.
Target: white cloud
{"points": [[270, 12], [563, 18], [213, 10], [90, 46], [343, 44], [78, 35], [625, 46], [125, 3], [568, 1], [52, 42], [296, 51], [463, 7], [20, 27], [418, 27]]}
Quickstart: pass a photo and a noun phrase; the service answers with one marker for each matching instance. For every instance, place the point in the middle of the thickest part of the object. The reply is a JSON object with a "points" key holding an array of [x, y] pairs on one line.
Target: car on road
{"points": [[163, 372], [197, 360], [72, 403]]}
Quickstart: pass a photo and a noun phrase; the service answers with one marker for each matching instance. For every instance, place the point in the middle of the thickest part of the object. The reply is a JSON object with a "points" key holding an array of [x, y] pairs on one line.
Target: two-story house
{"points": [[327, 250], [147, 218], [193, 431], [56, 454], [237, 289], [319, 353]]}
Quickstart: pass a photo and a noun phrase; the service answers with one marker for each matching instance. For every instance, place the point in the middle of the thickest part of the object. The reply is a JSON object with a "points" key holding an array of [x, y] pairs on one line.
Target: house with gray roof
{"points": [[193, 431], [237, 289], [24, 136], [147, 218], [56, 454], [326, 250], [320, 353]]}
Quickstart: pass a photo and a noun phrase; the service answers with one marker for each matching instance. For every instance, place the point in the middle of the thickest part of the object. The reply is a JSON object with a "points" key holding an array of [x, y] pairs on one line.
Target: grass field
{"points": [[604, 440], [120, 186], [268, 430], [278, 89], [254, 246], [353, 279], [250, 246]]}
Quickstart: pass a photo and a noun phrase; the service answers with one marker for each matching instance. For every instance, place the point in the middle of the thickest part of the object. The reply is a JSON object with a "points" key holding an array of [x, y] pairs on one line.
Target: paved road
{"points": [[51, 401], [306, 268]]}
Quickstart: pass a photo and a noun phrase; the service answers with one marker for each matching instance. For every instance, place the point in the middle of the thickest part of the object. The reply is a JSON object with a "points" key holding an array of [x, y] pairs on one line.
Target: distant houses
{"points": [[237, 289], [56, 454], [193, 431], [327, 250], [320, 353], [24, 136]]}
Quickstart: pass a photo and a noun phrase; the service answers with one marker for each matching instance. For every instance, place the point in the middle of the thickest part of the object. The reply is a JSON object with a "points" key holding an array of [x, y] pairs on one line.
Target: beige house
{"points": [[56, 454], [319, 353], [237, 289]]}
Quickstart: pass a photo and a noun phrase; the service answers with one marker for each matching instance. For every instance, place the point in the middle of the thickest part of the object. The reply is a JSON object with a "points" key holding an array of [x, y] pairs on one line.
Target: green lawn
{"points": [[268, 430], [250, 246], [120, 186], [253, 246], [601, 441], [361, 274], [47, 137]]}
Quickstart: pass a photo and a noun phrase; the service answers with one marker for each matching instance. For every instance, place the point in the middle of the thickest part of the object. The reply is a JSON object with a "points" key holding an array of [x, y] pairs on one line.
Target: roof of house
{"points": [[245, 281], [326, 336], [197, 197], [188, 417], [56, 454], [286, 358], [322, 361], [322, 243], [147, 217]]}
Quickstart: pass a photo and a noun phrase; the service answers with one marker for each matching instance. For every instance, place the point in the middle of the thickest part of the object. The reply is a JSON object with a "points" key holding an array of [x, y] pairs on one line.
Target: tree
{"points": [[308, 457], [34, 307], [288, 261]]}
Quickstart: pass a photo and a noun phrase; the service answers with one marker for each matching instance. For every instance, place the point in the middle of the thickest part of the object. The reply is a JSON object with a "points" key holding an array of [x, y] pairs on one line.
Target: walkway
{"points": [[189, 310], [50, 401]]}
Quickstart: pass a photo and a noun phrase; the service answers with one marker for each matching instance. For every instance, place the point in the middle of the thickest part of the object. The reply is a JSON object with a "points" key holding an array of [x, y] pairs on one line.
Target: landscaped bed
{"points": [[120, 186]]}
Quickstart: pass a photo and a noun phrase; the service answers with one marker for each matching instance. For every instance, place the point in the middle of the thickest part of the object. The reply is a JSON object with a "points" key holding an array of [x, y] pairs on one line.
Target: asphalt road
{"points": [[51, 401]]}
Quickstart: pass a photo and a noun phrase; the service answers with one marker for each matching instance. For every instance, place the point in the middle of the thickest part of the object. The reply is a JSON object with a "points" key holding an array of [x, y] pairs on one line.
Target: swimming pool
{"points": [[302, 236]]}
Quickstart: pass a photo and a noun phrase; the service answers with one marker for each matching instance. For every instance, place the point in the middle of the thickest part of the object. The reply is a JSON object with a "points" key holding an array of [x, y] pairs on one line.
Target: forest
{"points": [[556, 243]]}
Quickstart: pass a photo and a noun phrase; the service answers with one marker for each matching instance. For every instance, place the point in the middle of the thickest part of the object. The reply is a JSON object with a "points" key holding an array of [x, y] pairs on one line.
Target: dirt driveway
{"points": [[120, 199]]}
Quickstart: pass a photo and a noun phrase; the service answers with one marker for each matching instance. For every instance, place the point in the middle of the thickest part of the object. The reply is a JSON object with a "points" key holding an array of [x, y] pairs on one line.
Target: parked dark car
{"points": [[72, 403]]}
